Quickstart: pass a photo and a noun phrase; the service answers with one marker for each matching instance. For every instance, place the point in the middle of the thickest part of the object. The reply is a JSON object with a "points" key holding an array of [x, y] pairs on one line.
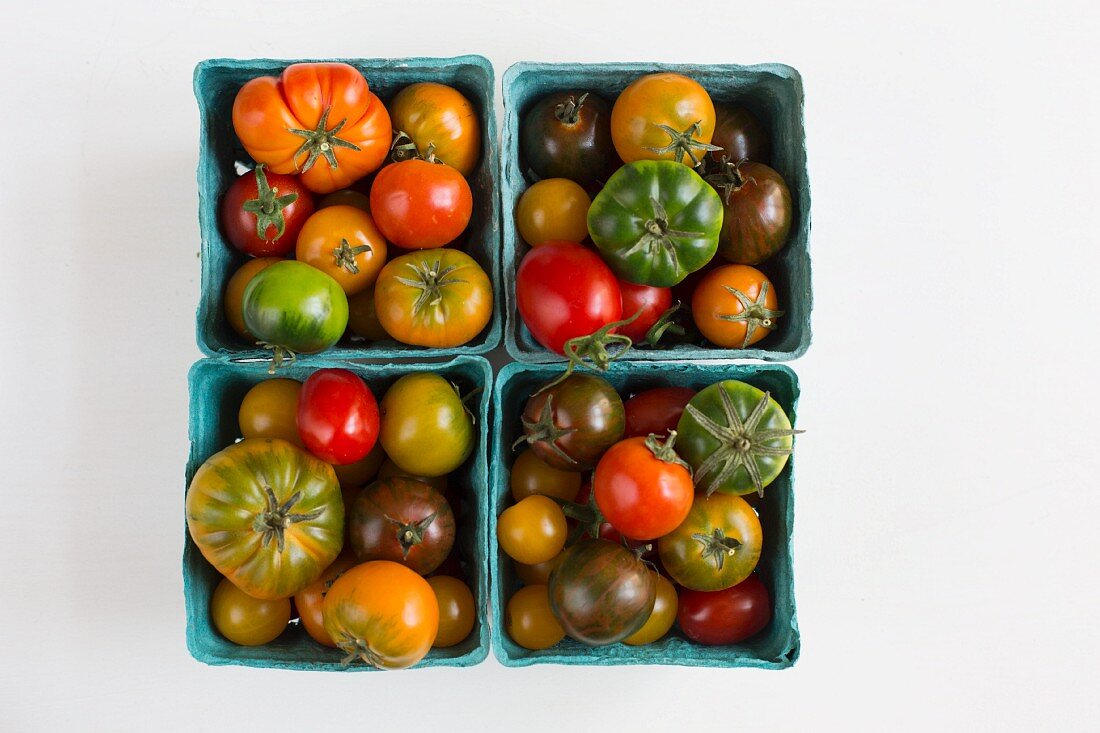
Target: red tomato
{"points": [[337, 416], [262, 212], [643, 488], [563, 291], [656, 411], [725, 616], [418, 204], [651, 301]]}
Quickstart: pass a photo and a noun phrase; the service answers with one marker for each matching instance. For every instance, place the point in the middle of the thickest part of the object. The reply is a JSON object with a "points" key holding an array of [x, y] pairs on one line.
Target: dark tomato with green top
{"points": [[568, 135], [740, 135], [295, 309], [716, 546], [570, 424], [403, 520], [758, 212]]}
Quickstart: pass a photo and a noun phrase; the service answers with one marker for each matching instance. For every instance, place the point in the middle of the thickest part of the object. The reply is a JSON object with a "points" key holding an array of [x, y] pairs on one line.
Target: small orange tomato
{"points": [[246, 620], [533, 530], [735, 306], [358, 474], [382, 613], [529, 620], [531, 475], [456, 610], [343, 242], [553, 209], [234, 292], [664, 116], [310, 600], [439, 116], [539, 573], [270, 410]]}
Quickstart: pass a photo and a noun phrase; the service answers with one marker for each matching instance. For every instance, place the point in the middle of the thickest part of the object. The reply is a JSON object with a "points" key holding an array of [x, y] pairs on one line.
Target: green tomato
{"points": [[736, 438], [426, 430], [656, 221], [295, 308]]}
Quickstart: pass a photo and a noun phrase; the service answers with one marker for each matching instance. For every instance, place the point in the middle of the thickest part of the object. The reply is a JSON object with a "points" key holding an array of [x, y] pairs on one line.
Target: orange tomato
{"points": [[537, 574], [344, 243], [310, 600], [234, 292], [440, 116], [382, 613], [457, 610], [317, 119], [270, 410], [664, 116], [553, 209], [529, 621], [735, 306]]}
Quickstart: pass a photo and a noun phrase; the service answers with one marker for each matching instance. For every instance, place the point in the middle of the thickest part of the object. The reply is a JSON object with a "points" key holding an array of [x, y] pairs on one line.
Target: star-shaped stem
{"points": [[544, 430], [658, 234], [568, 112], [754, 313], [411, 534], [728, 179], [281, 356], [276, 517], [345, 255], [357, 648], [683, 142], [430, 278], [740, 443], [716, 546], [663, 451], [321, 141], [268, 206]]}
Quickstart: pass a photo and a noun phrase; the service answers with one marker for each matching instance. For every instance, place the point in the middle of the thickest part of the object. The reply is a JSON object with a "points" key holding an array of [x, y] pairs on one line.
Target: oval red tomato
{"points": [[651, 301], [656, 411], [419, 204], [725, 616], [337, 416], [262, 213]]}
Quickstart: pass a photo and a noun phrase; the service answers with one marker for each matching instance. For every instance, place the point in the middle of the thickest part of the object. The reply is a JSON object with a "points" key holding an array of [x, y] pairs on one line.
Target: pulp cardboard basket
{"points": [[776, 647], [216, 84], [772, 91], [216, 389]]}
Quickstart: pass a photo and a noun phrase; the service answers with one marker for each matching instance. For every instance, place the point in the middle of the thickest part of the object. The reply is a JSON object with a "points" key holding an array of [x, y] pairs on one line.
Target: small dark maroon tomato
{"points": [[570, 424], [656, 411], [568, 135], [725, 616], [740, 135], [262, 213], [758, 212], [403, 520]]}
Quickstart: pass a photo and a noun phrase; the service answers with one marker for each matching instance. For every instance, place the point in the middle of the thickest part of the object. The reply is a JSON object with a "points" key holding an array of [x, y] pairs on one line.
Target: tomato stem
{"points": [[663, 451], [544, 430], [717, 546], [411, 534], [729, 180], [357, 648], [594, 347], [268, 206], [280, 356], [754, 313], [568, 112], [275, 518], [321, 142], [663, 325], [683, 143], [345, 255]]}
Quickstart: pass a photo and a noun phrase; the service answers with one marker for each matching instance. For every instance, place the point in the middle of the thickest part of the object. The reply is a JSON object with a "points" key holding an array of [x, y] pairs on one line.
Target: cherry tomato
{"points": [[310, 600], [554, 209], [246, 620], [665, 116], [537, 574], [716, 546], [363, 316], [642, 487], [568, 134], [740, 135], [656, 411], [357, 475], [419, 204], [456, 610], [263, 212], [529, 620], [650, 300], [234, 292], [661, 618], [725, 616], [531, 475], [344, 243], [270, 409], [426, 428], [758, 211], [337, 416], [532, 530], [570, 423], [346, 197], [403, 520], [735, 306]]}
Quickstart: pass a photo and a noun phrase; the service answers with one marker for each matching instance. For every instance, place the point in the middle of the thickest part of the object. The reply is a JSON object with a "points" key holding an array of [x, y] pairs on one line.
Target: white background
{"points": [[946, 543]]}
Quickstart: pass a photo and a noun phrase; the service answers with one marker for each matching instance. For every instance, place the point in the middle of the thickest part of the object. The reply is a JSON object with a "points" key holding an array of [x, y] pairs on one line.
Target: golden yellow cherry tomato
{"points": [[537, 574], [554, 209], [343, 242], [531, 475], [355, 475], [346, 197], [270, 410], [363, 317], [661, 618], [234, 292], [529, 620], [246, 620], [439, 116], [532, 530], [456, 610]]}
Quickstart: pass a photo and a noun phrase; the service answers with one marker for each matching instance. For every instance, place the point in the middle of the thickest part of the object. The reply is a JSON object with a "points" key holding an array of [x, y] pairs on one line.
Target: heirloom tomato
{"points": [[665, 116], [337, 416], [363, 316], [421, 204], [725, 616], [655, 222], [531, 475], [439, 298], [532, 531], [246, 620], [757, 217], [661, 618], [262, 214], [740, 135], [568, 135], [650, 303], [554, 209], [716, 546], [382, 613], [642, 487], [403, 520], [269, 410], [344, 243], [267, 515], [529, 620], [310, 600], [435, 118], [346, 197], [570, 423], [317, 119], [656, 410], [234, 292], [426, 429], [457, 611], [735, 306]]}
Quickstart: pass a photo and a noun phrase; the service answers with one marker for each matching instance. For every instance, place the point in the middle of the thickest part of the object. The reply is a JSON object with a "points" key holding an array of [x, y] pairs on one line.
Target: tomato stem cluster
{"points": [[268, 206], [321, 141]]}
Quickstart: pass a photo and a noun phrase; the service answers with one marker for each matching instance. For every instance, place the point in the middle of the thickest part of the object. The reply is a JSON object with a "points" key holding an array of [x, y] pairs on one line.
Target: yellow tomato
{"points": [[554, 209]]}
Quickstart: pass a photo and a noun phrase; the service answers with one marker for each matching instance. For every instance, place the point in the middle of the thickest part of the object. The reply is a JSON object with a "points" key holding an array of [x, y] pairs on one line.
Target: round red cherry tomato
{"points": [[656, 411], [651, 301], [337, 416], [725, 616], [563, 291], [419, 204], [643, 488], [263, 212]]}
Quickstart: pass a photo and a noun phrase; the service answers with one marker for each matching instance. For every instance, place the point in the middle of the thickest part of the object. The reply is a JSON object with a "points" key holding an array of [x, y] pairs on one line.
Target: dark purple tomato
{"points": [[758, 212], [403, 520], [573, 422], [568, 135], [740, 135]]}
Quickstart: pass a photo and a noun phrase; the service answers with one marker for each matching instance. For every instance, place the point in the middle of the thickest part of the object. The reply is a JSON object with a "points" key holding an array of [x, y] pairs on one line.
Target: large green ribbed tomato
{"points": [[267, 515], [735, 437], [656, 221]]}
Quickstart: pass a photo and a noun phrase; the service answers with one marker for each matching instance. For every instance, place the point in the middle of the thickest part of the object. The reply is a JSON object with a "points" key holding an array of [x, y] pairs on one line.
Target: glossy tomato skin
{"points": [[668, 99], [529, 621], [327, 107], [570, 424], [439, 298], [564, 291], [727, 616], [643, 488], [655, 222], [296, 307], [656, 411], [662, 617], [234, 292], [403, 520], [344, 243], [457, 611], [270, 409], [246, 620], [382, 613], [758, 213], [531, 475], [716, 546], [538, 573], [421, 205], [426, 430], [554, 209], [438, 116], [601, 592], [243, 494], [337, 416], [740, 134], [532, 531], [651, 301], [241, 226], [568, 135], [346, 197], [310, 600], [713, 304]]}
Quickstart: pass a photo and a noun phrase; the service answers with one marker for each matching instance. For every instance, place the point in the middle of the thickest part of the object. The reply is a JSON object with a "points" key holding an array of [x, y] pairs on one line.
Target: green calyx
{"points": [[664, 325], [663, 451], [543, 430], [568, 112], [268, 206], [357, 648], [728, 179], [321, 142], [276, 517], [588, 517], [281, 356], [404, 148], [754, 313], [429, 278], [740, 443], [411, 534], [345, 255], [658, 234], [684, 142], [717, 546]]}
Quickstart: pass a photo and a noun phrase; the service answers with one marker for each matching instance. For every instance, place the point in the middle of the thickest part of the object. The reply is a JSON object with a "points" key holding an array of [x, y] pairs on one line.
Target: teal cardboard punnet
{"points": [[772, 91], [217, 387], [216, 84], [776, 647]]}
